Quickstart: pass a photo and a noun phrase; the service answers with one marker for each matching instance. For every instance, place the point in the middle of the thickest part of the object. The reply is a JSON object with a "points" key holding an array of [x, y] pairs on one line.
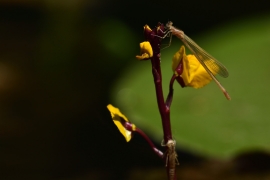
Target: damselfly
{"points": [[210, 64]]}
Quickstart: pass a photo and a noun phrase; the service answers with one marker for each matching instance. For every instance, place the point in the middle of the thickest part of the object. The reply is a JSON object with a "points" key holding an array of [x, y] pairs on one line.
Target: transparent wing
{"points": [[211, 63]]}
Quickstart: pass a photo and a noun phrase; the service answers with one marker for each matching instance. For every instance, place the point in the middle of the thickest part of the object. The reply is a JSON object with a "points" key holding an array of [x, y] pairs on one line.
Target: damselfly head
{"points": [[169, 24]]}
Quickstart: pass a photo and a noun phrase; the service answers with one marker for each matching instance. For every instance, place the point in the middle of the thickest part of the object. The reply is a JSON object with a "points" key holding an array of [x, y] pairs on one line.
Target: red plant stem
{"points": [[163, 110], [157, 151], [170, 95], [153, 36]]}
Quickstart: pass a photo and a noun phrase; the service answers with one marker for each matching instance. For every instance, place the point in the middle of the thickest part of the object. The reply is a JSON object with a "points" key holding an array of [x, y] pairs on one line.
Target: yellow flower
{"points": [[122, 123], [146, 51], [192, 72], [147, 28]]}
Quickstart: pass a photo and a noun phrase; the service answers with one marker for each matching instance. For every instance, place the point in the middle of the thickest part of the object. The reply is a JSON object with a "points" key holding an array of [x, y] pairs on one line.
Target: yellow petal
{"points": [[198, 77], [177, 58], [117, 117], [115, 112], [194, 74], [146, 27], [146, 51], [144, 56]]}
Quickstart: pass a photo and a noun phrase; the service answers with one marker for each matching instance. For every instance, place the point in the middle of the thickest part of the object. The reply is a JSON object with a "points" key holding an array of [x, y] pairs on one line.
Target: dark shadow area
{"points": [[55, 82]]}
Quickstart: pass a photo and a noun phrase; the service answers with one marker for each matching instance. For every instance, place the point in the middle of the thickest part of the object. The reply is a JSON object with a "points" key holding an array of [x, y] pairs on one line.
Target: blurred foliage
{"points": [[203, 120], [58, 62], [115, 36]]}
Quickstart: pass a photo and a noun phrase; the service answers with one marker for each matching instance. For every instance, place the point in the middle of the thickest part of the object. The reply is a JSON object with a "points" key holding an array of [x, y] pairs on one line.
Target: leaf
{"points": [[203, 120]]}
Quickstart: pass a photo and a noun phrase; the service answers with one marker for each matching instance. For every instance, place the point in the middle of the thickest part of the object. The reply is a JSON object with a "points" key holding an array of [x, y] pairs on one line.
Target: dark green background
{"points": [[58, 63]]}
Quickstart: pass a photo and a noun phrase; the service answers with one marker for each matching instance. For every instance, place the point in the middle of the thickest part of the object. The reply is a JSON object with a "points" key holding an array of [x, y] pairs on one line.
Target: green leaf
{"points": [[203, 120]]}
